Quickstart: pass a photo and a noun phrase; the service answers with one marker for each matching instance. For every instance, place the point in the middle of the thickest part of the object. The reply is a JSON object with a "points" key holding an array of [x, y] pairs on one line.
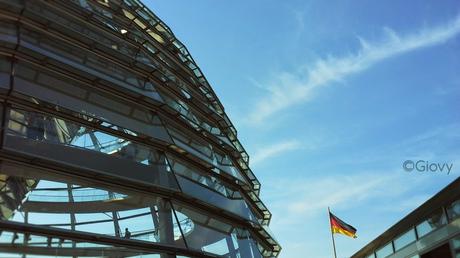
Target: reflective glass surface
{"points": [[213, 235], [436, 220], [147, 164], [384, 251], [453, 210], [404, 239]]}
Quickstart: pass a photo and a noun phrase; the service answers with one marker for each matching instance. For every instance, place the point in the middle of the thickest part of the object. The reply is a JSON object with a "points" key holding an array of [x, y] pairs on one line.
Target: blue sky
{"points": [[330, 98]]}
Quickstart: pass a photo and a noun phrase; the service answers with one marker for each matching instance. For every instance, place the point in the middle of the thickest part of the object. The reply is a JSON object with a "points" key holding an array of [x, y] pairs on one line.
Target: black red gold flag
{"points": [[340, 227]]}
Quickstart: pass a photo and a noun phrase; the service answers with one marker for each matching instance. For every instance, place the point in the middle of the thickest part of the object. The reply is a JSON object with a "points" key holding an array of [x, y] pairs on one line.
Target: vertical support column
{"points": [[153, 212], [97, 147], [179, 226], [26, 235], [116, 225], [162, 219], [166, 229], [231, 247], [446, 214], [95, 141], [72, 214]]}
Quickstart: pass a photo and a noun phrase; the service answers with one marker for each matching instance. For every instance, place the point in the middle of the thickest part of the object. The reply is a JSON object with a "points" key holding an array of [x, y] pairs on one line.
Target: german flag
{"points": [[338, 226]]}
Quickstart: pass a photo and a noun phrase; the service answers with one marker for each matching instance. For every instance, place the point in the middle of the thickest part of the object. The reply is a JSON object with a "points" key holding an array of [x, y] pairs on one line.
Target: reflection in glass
{"points": [[436, 220], [384, 251], [212, 235], [209, 181], [55, 130], [453, 210], [404, 239]]}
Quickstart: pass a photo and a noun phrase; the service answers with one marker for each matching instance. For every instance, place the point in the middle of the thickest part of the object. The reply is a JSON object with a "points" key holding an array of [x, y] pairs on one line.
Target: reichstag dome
{"points": [[113, 143]]}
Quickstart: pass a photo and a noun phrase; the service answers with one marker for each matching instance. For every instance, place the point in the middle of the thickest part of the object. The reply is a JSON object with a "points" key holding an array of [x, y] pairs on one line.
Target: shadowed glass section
{"points": [[211, 234], [45, 85], [453, 210], [384, 251], [205, 152], [210, 189], [436, 220], [404, 239], [33, 132]]}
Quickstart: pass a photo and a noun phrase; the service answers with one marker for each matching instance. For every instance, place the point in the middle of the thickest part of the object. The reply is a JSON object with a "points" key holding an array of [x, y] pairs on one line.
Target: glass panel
{"points": [[384, 251], [404, 239], [235, 206], [371, 256], [204, 151], [203, 178], [453, 210], [437, 220], [212, 235], [75, 99], [54, 130], [7, 34], [101, 67], [193, 119]]}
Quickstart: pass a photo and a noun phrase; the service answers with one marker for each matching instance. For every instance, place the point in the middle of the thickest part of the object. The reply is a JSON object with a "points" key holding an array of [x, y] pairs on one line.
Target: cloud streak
{"points": [[274, 150], [303, 198], [289, 89]]}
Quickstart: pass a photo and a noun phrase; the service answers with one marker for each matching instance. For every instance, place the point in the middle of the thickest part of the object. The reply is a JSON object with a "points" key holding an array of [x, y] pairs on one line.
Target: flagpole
{"points": [[332, 233]]}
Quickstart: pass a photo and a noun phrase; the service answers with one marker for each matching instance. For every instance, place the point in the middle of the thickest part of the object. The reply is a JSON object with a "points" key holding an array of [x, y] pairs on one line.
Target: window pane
{"points": [[384, 251], [215, 236], [436, 220], [453, 210], [404, 239]]}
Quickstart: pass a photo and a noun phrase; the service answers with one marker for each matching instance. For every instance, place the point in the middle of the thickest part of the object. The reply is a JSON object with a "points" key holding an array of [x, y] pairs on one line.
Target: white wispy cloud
{"points": [[273, 150], [289, 89], [309, 195], [303, 198]]}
